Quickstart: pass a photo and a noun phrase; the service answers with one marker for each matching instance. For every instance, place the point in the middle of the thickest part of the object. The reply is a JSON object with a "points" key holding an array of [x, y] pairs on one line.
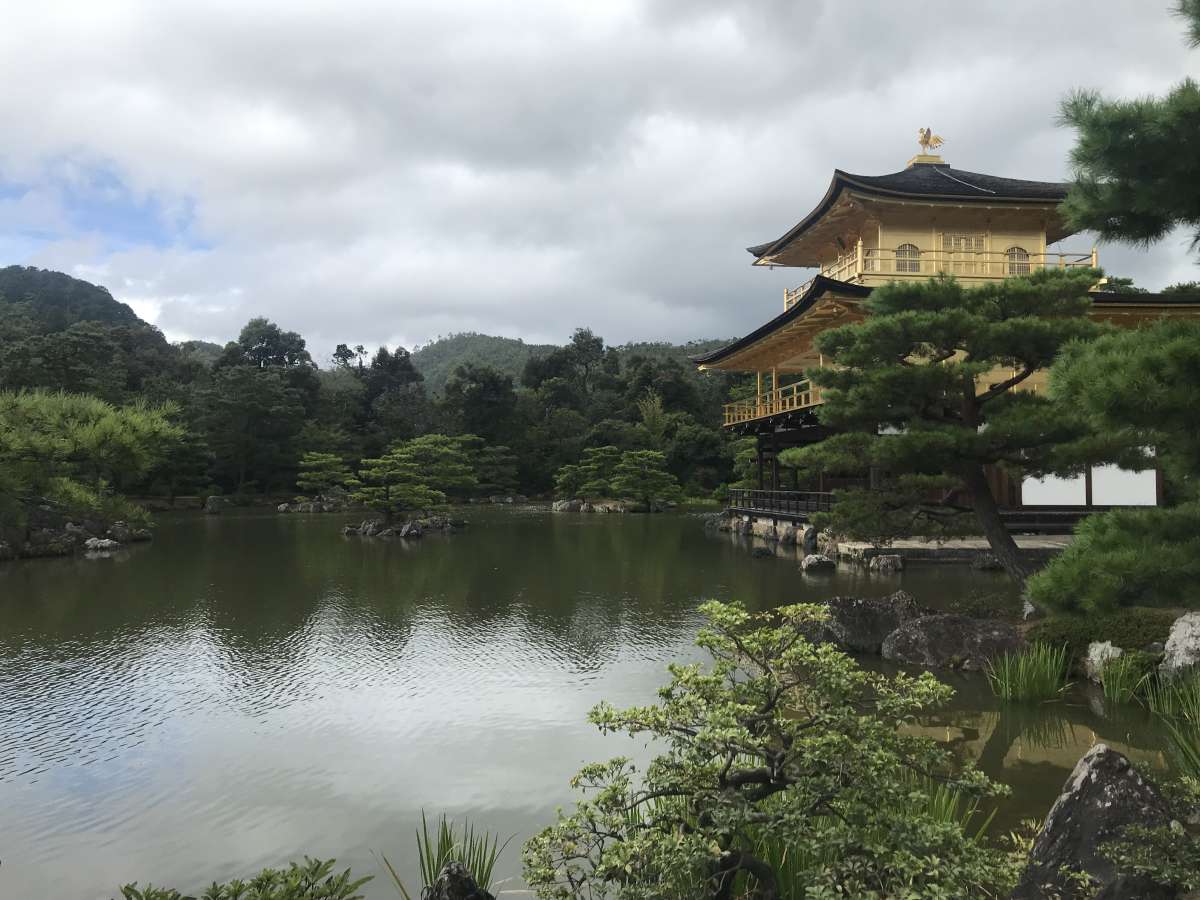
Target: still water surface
{"points": [[251, 688]]}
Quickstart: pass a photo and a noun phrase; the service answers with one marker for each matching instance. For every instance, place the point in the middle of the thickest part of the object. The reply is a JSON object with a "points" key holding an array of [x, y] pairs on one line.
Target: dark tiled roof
{"points": [[925, 181], [819, 287], [822, 285]]}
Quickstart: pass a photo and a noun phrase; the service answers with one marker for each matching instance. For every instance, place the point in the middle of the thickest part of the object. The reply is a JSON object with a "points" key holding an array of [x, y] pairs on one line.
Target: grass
{"points": [[1175, 698], [1033, 675], [1185, 747], [1124, 677], [476, 850]]}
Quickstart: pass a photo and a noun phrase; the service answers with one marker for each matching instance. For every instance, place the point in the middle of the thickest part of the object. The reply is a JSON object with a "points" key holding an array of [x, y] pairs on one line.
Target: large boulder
{"points": [[1183, 645], [100, 545], [1103, 796], [1099, 655], [862, 624], [807, 539], [886, 563], [816, 562], [455, 882], [214, 504], [950, 641]]}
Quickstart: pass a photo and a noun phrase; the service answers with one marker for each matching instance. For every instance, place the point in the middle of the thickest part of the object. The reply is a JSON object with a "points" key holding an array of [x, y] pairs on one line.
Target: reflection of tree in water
{"points": [[1032, 749]]}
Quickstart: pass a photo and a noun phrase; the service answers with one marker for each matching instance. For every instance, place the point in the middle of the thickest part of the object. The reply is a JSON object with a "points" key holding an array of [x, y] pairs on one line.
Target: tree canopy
{"points": [[927, 391]]}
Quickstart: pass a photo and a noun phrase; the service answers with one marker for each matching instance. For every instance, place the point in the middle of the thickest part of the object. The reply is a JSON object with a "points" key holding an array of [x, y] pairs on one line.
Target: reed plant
{"points": [[476, 850], [1175, 697], [1035, 674], [1124, 677]]}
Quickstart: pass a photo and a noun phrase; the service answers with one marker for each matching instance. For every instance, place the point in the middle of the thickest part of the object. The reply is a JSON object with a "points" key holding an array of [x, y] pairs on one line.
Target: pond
{"points": [[252, 687]]}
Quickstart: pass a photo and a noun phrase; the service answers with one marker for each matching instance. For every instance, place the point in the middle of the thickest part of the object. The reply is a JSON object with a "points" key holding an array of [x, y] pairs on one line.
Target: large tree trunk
{"points": [[988, 514]]}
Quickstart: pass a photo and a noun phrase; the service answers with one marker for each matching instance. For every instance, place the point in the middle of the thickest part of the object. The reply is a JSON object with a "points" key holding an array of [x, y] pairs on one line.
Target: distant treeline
{"points": [[251, 409]]}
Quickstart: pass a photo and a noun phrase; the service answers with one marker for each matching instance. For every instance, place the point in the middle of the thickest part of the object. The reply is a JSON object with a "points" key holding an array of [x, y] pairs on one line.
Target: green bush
{"points": [[1130, 629], [310, 880]]}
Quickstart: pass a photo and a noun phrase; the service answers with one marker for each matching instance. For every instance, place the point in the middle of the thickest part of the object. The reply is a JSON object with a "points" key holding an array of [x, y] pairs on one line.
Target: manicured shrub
{"points": [[311, 880], [1130, 629]]}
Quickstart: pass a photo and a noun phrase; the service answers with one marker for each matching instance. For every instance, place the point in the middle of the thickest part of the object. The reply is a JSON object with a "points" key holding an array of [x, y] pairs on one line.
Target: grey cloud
{"points": [[382, 171]]}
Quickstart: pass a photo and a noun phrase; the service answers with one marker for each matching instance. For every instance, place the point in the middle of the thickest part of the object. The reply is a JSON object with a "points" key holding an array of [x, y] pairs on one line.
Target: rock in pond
{"points": [[214, 504], [566, 505], [100, 545], [986, 561], [1183, 645], [886, 563], [1102, 797], [455, 882], [1099, 655], [950, 641], [816, 562], [862, 624]]}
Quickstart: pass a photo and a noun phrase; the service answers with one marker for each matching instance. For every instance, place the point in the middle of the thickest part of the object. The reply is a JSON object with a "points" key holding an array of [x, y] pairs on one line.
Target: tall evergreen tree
{"points": [[1137, 162], [926, 392]]}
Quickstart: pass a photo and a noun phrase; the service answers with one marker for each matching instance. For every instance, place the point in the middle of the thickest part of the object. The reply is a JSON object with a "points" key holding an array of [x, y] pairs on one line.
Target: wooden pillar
{"points": [[758, 444], [1087, 487]]}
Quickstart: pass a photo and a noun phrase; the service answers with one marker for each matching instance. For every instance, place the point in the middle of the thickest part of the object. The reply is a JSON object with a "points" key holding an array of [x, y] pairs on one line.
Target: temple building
{"points": [[926, 219]]}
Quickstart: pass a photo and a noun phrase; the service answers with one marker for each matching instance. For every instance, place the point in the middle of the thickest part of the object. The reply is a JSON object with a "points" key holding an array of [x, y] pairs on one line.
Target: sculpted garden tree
{"points": [[1138, 386], [592, 476], [1133, 184], [926, 391], [783, 771], [415, 475], [1134, 180], [71, 449], [642, 476], [322, 472]]}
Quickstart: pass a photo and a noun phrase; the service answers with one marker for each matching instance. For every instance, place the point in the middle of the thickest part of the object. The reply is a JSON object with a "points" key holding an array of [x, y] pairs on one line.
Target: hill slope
{"points": [[54, 301], [437, 360]]}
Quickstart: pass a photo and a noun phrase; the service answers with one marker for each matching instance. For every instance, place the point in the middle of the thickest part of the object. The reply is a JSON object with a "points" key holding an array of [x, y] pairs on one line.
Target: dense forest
{"points": [[249, 411]]}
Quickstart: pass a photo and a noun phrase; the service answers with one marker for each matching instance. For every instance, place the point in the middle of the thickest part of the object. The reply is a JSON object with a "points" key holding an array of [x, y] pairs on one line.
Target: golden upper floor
{"points": [[926, 219]]}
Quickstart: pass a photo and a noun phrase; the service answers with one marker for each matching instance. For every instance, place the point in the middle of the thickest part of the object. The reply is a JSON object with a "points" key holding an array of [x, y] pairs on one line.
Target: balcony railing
{"points": [[800, 395], [862, 263], [789, 504]]}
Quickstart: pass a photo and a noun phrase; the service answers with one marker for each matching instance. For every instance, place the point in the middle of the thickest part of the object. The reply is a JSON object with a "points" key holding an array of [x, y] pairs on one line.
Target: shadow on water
{"points": [[252, 687]]}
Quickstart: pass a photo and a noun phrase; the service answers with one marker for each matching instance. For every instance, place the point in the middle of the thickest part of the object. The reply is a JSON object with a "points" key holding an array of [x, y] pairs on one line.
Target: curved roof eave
{"points": [[819, 287], [1053, 194]]}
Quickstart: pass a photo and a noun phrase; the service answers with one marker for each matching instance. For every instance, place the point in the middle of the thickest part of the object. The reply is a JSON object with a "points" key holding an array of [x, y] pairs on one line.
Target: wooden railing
{"points": [[800, 395], [859, 262], [793, 504]]}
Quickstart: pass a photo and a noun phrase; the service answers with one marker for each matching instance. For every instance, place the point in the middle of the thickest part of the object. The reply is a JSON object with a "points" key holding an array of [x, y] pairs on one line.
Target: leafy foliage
{"points": [[641, 475], [74, 449], [780, 740], [1128, 628], [416, 474], [1131, 182], [936, 367], [320, 472], [476, 850], [313, 879]]}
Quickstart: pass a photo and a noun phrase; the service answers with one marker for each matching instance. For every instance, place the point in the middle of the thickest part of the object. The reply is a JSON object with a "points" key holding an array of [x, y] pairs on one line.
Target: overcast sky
{"points": [[388, 172]]}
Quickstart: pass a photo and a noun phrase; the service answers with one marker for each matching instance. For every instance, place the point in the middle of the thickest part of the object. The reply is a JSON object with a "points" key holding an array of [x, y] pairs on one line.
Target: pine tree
{"points": [[642, 476], [926, 392], [321, 472], [1137, 162]]}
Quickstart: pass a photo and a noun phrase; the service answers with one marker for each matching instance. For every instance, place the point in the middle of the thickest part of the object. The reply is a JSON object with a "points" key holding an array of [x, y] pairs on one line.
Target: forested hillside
{"points": [[249, 411], [437, 360]]}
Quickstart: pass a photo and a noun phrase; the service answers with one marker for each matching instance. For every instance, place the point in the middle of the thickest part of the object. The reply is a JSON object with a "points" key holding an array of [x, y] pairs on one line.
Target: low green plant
{"points": [[313, 879], [476, 850], [1033, 675], [782, 770], [1131, 629], [1124, 676], [1185, 747], [1175, 697]]}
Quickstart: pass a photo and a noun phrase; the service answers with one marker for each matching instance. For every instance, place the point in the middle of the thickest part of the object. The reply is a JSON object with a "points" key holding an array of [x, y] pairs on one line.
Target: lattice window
{"points": [[1017, 259], [908, 258], [964, 253]]}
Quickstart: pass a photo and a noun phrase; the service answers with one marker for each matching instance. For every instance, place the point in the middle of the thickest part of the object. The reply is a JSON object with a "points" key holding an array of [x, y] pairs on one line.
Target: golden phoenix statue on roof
{"points": [[928, 140]]}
